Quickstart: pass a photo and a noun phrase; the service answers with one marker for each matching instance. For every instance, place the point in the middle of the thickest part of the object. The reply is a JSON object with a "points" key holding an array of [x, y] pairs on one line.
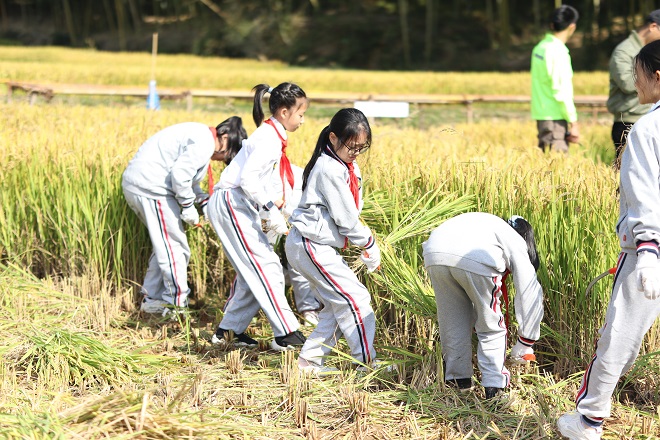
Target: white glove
{"points": [[371, 258], [276, 222], [202, 200], [521, 353], [190, 215], [648, 274], [287, 210]]}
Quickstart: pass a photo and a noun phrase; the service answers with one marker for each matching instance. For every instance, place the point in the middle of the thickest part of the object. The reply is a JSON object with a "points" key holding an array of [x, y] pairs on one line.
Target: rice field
{"points": [[78, 361]]}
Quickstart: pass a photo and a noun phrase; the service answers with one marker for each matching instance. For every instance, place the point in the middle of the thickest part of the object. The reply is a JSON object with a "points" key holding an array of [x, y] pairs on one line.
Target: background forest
{"points": [[458, 35]]}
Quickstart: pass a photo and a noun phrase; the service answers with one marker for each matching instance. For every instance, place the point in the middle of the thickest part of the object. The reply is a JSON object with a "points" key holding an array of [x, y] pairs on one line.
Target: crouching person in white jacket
{"points": [[161, 185], [467, 258]]}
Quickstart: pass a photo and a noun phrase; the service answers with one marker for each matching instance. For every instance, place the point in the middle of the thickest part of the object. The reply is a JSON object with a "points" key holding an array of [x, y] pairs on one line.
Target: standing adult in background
{"points": [[623, 102], [552, 84]]}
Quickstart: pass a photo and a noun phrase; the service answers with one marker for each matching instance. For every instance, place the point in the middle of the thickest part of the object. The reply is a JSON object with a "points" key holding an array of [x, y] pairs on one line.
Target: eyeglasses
{"points": [[357, 149]]}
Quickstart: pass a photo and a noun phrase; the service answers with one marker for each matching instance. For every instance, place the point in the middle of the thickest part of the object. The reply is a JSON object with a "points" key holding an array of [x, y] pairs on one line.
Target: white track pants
{"points": [[466, 300], [259, 279], [347, 303], [629, 316], [166, 277], [303, 292]]}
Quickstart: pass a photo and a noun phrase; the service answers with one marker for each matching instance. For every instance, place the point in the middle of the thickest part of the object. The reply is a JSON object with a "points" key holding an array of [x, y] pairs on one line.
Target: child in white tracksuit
{"points": [[467, 258], [241, 199], [634, 304], [161, 184], [327, 219]]}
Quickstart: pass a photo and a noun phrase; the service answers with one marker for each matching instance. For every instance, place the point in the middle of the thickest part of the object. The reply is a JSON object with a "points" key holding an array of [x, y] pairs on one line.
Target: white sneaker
{"points": [[149, 305], [319, 370], [571, 426], [311, 318]]}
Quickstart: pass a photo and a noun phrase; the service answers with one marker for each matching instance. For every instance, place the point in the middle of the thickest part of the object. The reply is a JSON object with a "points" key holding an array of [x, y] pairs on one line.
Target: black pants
{"points": [[619, 135]]}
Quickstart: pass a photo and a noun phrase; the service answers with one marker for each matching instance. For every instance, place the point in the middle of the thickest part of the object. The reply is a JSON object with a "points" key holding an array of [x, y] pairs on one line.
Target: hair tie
{"points": [[270, 90]]}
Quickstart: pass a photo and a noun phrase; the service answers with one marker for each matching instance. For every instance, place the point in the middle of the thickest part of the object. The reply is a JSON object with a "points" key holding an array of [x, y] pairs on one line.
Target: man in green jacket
{"points": [[552, 84], [623, 102]]}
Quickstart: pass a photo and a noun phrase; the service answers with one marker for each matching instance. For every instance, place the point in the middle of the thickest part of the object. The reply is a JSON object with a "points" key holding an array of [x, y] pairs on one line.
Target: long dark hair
{"points": [[285, 95], [347, 124], [526, 231], [648, 58], [233, 128]]}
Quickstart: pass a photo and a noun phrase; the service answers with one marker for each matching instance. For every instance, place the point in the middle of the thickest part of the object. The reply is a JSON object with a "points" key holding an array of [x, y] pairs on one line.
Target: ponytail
{"points": [[257, 111], [324, 139]]}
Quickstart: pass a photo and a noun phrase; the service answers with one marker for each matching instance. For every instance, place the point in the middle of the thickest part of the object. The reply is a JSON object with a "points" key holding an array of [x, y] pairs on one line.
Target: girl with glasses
{"points": [[328, 219]]}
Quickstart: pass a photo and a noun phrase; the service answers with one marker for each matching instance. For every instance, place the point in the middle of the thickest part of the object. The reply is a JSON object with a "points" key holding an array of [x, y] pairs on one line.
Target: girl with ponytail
{"points": [[240, 201], [327, 219]]}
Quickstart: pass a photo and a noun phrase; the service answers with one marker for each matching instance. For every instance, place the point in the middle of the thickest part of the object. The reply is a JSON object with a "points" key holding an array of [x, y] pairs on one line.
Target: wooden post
{"points": [[154, 52], [189, 102]]}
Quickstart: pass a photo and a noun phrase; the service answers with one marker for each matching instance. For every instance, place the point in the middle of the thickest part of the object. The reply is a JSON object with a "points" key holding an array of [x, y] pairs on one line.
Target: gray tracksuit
{"points": [[162, 177], [467, 257], [328, 218], [629, 314], [233, 211]]}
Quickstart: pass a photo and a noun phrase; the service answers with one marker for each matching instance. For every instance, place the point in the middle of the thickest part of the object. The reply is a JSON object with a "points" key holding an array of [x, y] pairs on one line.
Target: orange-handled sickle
{"points": [[610, 271]]}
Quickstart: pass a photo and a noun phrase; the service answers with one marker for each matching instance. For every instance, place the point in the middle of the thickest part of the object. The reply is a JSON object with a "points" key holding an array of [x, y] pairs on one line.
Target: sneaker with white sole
{"points": [[319, 370], [289, 342], [223, 336], [572, 427], [149, 305], [311, 318]]}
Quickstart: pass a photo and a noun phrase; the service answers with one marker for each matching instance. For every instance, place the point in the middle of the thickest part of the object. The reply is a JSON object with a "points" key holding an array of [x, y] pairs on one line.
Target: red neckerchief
{"points": [[285, 166], [353, 182], [209, 172]]}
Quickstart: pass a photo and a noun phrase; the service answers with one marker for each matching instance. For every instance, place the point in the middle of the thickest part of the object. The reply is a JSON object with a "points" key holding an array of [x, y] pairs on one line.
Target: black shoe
{"points": [[222, 336], [491, 392], [288, 342], [464, 385]]}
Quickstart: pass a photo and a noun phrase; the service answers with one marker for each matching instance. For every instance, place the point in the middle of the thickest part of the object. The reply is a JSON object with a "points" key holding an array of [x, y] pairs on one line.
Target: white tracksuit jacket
{"points": [[327, 213], [171, 163]]}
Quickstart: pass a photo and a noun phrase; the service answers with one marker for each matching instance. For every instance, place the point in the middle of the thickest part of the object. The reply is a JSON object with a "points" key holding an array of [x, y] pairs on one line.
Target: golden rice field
{"points": [[78, 361], [61, 65]]}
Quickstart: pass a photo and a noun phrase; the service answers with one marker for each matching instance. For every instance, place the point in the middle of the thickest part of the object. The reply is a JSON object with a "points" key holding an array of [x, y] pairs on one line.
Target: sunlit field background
{"points": [[77, 360]]}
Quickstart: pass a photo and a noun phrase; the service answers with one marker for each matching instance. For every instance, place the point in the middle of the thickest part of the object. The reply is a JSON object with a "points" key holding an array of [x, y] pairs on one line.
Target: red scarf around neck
{"points": [[209, 172], [353, 184], [285, 166]]}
